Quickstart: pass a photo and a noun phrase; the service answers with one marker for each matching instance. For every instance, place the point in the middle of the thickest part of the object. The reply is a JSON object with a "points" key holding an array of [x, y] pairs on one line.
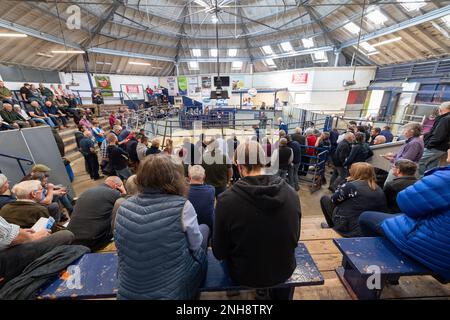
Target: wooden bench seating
{"points": [[364, 259], [98, 277]]}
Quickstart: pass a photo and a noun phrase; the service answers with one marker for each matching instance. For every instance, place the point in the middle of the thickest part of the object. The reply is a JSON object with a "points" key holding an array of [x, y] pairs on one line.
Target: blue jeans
{"points": [[38, 120], [430, 159], [370, 223], [293, 175], [49, 122], [66, 201]]}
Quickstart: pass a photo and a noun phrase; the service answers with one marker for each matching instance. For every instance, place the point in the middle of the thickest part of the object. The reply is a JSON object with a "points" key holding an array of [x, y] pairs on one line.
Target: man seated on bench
{"points": [[257, 225], [92, 214], [405, 175], [19, 247], [423, 230]]}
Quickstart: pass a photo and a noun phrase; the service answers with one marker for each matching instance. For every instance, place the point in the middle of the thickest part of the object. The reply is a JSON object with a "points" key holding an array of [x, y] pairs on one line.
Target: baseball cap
{"points": [[40, 168]]}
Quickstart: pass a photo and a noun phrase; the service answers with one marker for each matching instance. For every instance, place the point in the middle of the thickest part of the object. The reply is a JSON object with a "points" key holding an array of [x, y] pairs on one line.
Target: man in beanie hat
{"points": [[36, 168]]}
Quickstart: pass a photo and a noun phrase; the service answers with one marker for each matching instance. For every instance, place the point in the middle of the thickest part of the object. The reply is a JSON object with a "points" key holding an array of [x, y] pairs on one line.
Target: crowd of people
{"points": [[164, 206], [40, 105]]}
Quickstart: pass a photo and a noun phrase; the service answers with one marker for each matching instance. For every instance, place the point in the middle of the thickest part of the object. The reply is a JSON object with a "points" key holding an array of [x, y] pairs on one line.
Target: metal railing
{"points": [[18, 159]]}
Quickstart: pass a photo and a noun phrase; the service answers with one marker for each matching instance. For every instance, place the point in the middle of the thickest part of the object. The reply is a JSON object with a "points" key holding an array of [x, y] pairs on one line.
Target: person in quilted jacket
{"points": [[422, 231]]}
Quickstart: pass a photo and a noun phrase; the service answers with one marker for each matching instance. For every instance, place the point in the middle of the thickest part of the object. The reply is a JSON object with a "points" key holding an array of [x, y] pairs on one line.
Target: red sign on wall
{"points": [[132, 88], [300, 78]]}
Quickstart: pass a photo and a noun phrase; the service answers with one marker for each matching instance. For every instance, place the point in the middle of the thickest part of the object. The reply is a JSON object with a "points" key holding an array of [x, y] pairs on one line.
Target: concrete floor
{"points": [[309, 201]]}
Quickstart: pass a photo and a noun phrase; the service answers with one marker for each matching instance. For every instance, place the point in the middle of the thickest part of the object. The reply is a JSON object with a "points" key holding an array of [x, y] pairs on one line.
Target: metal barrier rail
{"points": [[18, 159], [318, 162]]}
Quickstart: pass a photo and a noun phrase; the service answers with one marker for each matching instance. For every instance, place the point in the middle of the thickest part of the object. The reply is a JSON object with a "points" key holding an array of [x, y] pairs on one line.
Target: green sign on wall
{"points": [[182, 85]]}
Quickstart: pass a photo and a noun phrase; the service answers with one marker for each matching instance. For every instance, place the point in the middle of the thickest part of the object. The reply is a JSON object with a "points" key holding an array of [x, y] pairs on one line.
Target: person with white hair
{"points": [[25, 116], [297, 136], [12, 117], [437, 141], [91, 220], [282, 126], [5, 195], [201, 196], [379, 139], [26, 211]]}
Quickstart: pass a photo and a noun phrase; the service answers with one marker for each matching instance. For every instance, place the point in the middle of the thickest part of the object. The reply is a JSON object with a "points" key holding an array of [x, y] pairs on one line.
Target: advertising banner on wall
{"points": [[206, 82], [133, 91], [300, 78], [237, 82], [171, 83], [182, 85], [193, 85], [103, 83]]}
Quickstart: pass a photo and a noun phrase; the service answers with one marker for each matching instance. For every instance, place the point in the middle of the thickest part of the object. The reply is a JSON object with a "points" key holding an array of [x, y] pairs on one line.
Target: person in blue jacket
{"points": [[282, 126], [422, 231]]}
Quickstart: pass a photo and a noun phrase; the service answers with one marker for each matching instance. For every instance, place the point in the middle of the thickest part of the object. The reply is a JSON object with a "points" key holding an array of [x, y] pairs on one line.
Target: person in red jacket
{"points": [[112, 119], [310, 152]]}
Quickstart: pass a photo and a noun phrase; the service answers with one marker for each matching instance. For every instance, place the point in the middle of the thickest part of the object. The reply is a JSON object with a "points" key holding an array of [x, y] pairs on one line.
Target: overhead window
{"points": [[193, 65]]}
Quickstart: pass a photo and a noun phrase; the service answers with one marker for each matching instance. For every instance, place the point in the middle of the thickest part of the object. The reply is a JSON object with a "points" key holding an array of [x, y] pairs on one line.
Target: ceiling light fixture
{"points": [[68, 51], [42, 54], [139, 63], [367, 46], [386, 41], [12, 35]]}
